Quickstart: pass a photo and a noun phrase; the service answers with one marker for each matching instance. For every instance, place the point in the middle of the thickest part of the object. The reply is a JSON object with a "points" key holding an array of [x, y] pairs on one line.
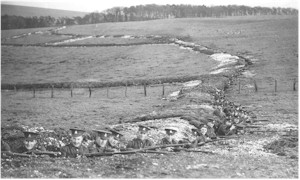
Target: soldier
{"points": [[117, 140], [169, 139], [211, 128], [204, 132], [140, 141], [199, 137], [226, 129], [30, 143], [4, 146], [102, 143], [75, 149]]}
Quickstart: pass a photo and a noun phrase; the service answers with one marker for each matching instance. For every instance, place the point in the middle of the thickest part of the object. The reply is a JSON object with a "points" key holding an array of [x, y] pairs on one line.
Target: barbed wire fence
{"points": [[243, 87]]}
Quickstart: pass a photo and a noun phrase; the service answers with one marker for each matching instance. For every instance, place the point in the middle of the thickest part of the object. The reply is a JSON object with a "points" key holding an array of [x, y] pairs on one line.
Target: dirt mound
{"points": [[285, 146]]}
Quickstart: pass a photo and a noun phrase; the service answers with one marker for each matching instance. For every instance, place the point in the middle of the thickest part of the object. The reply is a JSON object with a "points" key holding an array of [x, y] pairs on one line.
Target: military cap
{"points": [[195, 123], [237, 104], [76, 132], [203, 125], [195, 132], [103, 133], [203, 121], [170, 130], [30, 135], [210, 118], [143, 128]]}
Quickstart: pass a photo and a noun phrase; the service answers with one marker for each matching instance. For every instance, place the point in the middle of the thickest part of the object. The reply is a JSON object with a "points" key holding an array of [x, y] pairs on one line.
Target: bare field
{"points": [[100, 64]]}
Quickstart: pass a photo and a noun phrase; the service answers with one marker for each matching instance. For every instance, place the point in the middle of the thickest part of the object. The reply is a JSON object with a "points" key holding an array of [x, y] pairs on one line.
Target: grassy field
{"points": [[80, 110], [112, 41], [35, 39], [271, 42], [14, 32], [99, 64]]}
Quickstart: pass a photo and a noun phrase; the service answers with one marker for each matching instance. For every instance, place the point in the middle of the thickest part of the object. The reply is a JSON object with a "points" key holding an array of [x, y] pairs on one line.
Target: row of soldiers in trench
{"points": [[230, 117], [110, 140]]}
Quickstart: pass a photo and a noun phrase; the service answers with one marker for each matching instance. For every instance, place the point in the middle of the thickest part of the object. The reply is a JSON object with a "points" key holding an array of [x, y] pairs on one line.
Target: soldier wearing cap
{"points": [[102, 143], [205, 133], [200, 136], [211, 128], [169, 139], [30, 143], [116, 140], [75, 149], [140, 141], [4, 146], [226, 129]]}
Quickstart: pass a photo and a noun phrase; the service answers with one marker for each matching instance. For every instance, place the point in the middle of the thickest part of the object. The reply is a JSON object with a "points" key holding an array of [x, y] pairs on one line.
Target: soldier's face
{"points": [[210, 124], [100, 142], [29, 144], [236, 120], [77, 141], [228, 123], [104, 136], [203, 130], [141, 136]]}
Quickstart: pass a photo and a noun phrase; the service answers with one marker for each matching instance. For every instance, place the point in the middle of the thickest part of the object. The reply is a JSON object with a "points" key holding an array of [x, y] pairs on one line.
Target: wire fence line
{"points": [[242, 87], [161, 90], [252, 86]]}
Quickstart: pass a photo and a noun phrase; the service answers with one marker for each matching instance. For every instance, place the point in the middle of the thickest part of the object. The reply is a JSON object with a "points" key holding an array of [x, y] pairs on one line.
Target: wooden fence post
{"points": [[126, 89], [163, 90], [255, 86], [71, 90], [145, 89], [239, 86], [90, 90], [275, 85], [52, 90], [107, 91]]}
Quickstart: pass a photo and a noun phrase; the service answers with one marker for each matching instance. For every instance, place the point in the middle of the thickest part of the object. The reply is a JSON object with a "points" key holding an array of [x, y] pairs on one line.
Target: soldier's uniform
{"points": [[30, 137], [71, 151], [140, 142], [136, 143], [199, 137], [117, 140], [226, 130], [102, 143], [169, 140], [166, 140], [4, 146]]}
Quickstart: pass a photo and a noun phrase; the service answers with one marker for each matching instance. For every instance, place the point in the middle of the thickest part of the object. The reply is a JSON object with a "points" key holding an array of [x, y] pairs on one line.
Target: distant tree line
{"points": [[141, 13]]}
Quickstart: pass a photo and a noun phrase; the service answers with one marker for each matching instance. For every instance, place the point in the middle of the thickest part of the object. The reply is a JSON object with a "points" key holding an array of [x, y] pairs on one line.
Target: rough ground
{"points": [[271, 43]]}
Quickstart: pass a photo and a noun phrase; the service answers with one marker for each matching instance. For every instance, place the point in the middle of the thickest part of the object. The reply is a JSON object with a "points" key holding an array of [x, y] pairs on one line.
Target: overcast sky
{"points": [[100, 5]]}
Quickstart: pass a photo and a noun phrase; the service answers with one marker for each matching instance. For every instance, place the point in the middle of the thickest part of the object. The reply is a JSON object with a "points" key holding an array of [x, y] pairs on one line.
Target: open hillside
{"points": [[25, 11], [158, 73]]}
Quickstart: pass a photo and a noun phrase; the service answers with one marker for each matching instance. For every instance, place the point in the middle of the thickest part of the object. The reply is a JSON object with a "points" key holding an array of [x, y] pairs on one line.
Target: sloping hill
{"points": [[27, 11]]}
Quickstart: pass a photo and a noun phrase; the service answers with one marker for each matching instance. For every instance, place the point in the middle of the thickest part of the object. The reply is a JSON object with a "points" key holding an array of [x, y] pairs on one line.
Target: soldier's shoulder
{"points": [[68, 146]]}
